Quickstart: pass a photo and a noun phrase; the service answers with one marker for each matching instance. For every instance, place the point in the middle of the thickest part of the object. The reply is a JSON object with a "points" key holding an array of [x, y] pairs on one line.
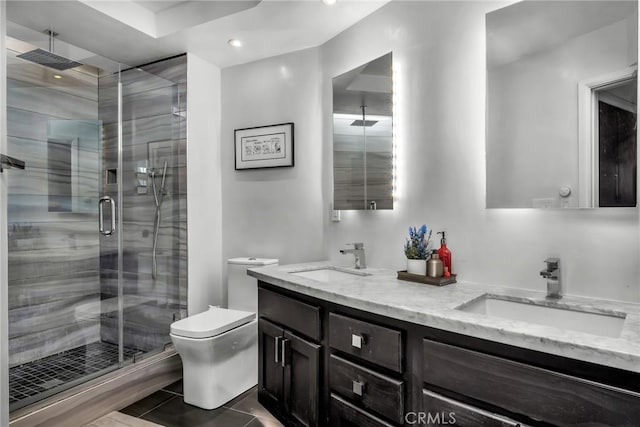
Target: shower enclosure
{"points": [[97, 218]]}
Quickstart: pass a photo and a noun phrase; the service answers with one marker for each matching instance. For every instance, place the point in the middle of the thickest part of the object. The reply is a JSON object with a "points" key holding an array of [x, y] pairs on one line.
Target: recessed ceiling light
{"points": [[235, 42], [57, 76], [329, 2]]}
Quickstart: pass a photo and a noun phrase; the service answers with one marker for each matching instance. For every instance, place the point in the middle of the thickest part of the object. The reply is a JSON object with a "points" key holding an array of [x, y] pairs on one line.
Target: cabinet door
{"points": [[270, 370], [301, 380], [537, 393]]}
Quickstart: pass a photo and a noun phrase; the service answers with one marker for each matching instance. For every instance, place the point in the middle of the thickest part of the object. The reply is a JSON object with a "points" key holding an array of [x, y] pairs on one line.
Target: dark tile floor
{"points": [[166, 407]]}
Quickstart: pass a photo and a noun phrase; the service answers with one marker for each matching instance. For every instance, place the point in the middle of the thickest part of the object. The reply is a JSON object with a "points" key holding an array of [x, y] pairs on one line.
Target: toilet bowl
{"points": [[219, 347], [219, 351]]}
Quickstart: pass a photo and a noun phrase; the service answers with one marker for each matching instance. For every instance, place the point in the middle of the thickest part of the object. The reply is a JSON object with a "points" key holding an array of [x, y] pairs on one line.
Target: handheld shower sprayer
{"points": [[158, 197]]}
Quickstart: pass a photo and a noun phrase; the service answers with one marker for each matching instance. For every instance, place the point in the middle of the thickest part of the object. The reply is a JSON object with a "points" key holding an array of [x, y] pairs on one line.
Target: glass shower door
{"points": [[154, 202], [55, 292], [96, 220]]}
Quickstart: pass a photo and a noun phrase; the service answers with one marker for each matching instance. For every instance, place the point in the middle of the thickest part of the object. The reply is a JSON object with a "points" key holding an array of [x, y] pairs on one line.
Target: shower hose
{"points": [[158, 198]]}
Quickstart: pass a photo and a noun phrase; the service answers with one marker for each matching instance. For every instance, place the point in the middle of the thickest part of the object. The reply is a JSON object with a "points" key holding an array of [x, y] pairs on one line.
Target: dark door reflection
{"points": [[617, 156]]}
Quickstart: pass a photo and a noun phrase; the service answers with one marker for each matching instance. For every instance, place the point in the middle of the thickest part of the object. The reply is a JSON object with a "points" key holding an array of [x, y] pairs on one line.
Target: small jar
{"points": [[434, 266]]}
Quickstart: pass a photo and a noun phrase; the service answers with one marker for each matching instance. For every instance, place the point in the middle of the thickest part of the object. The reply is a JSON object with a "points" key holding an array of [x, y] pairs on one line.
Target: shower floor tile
{"points": [[36, 380]]}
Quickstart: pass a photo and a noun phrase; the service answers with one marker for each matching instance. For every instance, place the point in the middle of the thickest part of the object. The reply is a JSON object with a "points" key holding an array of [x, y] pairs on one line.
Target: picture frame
{"points": [[264, 147]]}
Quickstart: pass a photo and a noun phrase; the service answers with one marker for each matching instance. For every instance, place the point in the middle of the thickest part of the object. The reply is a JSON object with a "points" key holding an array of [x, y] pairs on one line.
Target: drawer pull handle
{"points": [[357, 341], [358, 387]]}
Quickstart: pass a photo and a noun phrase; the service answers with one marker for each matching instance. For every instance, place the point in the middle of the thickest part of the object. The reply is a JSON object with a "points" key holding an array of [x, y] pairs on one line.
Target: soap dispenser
{"points": [[444, 253]]}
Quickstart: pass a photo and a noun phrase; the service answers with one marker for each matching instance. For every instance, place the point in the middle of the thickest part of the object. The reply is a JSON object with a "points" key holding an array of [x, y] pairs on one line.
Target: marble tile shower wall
{"points": [[154, 130], [53, 254]]}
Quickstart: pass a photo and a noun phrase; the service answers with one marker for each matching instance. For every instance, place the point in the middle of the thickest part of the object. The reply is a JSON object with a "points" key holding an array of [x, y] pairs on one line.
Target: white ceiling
{"points": [[137, 32], [158, 6]]}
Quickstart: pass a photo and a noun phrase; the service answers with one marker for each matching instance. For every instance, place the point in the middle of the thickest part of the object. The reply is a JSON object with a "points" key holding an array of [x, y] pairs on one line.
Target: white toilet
{"points": [[219, 347]]}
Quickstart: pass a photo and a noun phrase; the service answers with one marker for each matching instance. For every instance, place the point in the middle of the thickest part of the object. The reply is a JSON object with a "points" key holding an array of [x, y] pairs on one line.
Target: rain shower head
{"points": [[48, 58]]}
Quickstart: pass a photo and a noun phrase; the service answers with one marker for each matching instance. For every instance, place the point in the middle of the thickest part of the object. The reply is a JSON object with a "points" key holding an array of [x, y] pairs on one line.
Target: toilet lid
{"points": [[210, 323]]}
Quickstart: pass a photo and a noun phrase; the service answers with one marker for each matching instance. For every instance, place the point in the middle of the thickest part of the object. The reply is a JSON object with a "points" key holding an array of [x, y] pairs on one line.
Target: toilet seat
{"points": [[211, 323]]}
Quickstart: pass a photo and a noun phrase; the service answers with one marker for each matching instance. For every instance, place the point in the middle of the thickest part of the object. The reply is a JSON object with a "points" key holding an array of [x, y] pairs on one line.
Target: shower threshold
{"points": [[39, 379]]}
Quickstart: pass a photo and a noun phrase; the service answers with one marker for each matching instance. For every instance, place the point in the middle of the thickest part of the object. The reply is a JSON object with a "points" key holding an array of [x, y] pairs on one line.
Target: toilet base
{"points": [[218, 369]]}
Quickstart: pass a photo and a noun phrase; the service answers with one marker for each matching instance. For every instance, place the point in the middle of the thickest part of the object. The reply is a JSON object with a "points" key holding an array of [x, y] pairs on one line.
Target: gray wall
{"points": [[439, 59], [274, 213], [53, 256], [205, 189]]}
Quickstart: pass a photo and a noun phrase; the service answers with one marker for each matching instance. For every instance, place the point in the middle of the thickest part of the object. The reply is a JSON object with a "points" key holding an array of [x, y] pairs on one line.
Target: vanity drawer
{"points": [[294, 314], [376, 344], [344, 414], [377, 392], [445, 411], [535, 392]]}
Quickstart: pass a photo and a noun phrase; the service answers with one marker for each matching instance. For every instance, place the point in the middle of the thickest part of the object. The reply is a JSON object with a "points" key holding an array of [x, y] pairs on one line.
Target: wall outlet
{"points": [[335, 215]]}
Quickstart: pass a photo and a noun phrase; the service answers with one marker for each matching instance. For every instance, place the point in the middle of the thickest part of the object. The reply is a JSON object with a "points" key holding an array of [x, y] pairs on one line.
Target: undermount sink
{"points": [[559, 316], [328, 274]]}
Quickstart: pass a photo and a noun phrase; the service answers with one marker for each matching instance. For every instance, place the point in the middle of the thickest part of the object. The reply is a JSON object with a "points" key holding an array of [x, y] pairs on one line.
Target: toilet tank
{"points": [[242, 289]]}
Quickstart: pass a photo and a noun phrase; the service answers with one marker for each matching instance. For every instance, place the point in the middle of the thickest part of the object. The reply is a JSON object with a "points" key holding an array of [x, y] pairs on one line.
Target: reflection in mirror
{"points": [[616, 136], [561, 104], [363, 137], [73, 165]]}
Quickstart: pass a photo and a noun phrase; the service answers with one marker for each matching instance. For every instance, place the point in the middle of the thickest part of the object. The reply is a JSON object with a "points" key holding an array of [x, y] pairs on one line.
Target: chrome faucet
{"points": [[358, 253], [552, 274]]}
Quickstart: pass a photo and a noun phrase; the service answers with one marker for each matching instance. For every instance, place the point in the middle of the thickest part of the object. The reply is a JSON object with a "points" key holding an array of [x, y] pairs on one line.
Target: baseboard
{"points": [[114, 391]]}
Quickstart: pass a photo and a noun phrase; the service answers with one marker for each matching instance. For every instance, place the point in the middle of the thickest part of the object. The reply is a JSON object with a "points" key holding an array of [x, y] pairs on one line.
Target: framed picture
{"points": [[264, 147]]}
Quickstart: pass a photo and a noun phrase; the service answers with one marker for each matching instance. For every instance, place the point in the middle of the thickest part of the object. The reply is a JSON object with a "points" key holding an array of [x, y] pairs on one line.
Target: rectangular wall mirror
{"points": [[363, 137], [562, 104]]}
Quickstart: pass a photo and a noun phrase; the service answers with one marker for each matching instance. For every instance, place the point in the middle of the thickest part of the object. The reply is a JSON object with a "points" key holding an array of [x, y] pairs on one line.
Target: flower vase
{"points": [[417, 266]]}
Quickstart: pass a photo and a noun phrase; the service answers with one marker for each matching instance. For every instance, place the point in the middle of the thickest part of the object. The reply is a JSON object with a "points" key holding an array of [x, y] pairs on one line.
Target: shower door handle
{"points": [[10, 162], [104, 200]]}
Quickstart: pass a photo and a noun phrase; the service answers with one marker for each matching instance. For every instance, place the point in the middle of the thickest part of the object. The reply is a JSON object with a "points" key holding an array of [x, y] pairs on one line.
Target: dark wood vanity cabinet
{"points": [[540, 394], [440, 410], [288, 363], [270, 370], [346, 414], [362, 369], [365, 368]]}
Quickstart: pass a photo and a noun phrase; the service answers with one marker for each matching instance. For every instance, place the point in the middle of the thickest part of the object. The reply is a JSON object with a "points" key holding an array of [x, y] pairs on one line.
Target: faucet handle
{"points": [[552, 262]]}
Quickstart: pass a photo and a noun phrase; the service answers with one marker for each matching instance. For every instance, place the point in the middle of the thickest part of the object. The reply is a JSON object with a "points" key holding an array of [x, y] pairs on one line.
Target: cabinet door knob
{"points": [[358, 387], [357, 341]]}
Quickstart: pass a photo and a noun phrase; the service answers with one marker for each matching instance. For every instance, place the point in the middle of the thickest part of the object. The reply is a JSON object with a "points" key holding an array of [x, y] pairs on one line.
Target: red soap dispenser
{"points": [[444, 253]]}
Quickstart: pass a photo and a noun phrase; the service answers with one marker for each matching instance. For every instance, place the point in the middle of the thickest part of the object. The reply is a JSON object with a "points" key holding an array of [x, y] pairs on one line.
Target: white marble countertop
{"points": [[382, 293]]}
